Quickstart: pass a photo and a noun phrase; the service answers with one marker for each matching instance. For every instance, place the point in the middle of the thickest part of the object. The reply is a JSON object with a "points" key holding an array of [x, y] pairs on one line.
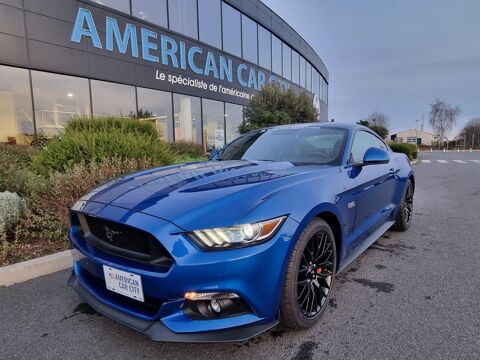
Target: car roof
{"points": [[348, 126]]}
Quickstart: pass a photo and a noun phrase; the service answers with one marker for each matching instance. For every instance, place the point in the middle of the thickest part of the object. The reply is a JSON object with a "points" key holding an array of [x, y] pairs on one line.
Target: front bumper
{"points": [[256, 274], [157, 331]]}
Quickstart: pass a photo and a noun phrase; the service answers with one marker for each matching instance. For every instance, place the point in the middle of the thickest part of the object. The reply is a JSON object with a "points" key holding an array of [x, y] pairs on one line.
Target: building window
{"points": [[234, 117], [57, 99], [308, 77], [187, 118], [210, 15], [287, 61], [303, 67], [249, 39], [156, 107], [400, 139], [295, 67], [182, 15], [16, 115], [151, 11], [213, 124], [232, 30], [113, 99], [276, 55], [412, 139], [264, 48], [121, 5], [315, 82]]}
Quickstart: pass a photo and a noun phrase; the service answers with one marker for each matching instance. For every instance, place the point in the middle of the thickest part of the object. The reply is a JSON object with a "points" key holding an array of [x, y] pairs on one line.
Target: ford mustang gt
{"points": [[225, 249]]}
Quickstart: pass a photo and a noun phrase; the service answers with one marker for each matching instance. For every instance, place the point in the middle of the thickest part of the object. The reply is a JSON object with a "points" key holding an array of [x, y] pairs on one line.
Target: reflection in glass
{"points": [[308, 77], [295, 67], [234, 117], [209, 14], [287, 62], [213, 124], [232, 30], [187, 118], [276, 55], [113, 99], [182, 15], [151, 11], [264, 48], [303, 66], [249, 39], [156, 107], [122, 5], [57, 99], [16, 116]]}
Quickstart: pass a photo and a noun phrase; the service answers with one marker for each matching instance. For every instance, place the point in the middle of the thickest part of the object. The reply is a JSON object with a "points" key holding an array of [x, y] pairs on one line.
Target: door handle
{"points": [[392, 171]]}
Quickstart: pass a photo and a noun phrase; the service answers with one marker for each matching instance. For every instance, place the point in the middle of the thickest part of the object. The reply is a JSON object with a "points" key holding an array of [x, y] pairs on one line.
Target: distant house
{"points": [[412, 135]]}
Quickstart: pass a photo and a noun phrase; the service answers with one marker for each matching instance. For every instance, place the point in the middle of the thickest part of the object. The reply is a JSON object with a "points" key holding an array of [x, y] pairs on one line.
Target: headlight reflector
{"points": [[237, 236]]}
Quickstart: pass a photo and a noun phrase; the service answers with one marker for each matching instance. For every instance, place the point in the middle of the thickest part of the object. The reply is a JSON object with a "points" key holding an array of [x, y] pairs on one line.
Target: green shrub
{"points": [[12, 207], [93, 140], [411, 150], [187, 148]]}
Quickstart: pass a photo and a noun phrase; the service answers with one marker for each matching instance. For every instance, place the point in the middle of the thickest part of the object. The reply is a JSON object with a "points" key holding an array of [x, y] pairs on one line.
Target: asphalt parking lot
{"points": [[412, 295]]}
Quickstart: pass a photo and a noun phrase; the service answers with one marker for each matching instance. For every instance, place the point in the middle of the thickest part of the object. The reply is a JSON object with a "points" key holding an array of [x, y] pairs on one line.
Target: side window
{"points": [[361, 143]]}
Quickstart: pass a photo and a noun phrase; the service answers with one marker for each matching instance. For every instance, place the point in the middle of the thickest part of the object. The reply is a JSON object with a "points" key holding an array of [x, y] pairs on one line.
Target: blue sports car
{"points": [[226, 249]]}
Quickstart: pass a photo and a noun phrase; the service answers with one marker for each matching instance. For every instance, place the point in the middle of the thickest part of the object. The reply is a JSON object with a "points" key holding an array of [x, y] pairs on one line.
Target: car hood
{"points": [[203, 195]]}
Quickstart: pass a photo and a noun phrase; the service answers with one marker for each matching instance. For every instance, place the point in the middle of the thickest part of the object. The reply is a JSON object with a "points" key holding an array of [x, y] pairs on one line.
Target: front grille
{"points": [[120, 236], [121, 240]]}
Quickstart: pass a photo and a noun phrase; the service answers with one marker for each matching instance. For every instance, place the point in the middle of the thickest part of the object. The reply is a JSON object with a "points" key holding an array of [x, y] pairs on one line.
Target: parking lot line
{"points": [[460, 161], [476, 161], [442, 161], [426, 161]]}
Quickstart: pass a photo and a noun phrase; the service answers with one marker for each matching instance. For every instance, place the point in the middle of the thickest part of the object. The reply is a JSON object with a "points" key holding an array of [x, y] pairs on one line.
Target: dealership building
{"points": [[187, 66]]}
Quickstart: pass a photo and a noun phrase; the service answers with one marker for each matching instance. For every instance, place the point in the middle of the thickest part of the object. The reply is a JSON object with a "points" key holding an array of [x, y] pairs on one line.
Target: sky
{"points": [[393, 56]]}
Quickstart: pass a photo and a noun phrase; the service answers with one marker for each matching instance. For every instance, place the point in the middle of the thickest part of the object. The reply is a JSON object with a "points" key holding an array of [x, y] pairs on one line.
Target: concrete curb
{"points": [[34, 268], [414, 161]]}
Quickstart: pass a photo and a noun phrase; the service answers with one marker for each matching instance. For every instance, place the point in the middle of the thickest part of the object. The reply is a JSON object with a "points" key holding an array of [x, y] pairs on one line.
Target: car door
{"points": [[375, 187]]}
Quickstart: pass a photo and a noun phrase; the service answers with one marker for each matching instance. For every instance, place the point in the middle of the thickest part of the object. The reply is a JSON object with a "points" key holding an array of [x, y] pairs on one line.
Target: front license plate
{"points": [[124, 283]]}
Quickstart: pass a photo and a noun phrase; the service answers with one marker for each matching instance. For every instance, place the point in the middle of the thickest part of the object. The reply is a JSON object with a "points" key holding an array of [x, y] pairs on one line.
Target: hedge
{"points": [[411, 150]]}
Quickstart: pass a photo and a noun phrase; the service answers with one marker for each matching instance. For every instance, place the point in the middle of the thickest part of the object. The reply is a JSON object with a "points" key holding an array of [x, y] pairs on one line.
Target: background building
{"points": [[188, 66], [412, 135]]}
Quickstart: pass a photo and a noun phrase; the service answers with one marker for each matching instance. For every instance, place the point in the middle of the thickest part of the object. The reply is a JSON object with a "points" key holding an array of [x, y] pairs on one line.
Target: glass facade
{"points": [[16, 114], [295, 67], [57, 99], [113, 99], [276, 55], [121, 5], [210, 22], [232, 30], [151, 11], [187, 118], [233, 117], [213, 124], [182, 17], [264, 48], [287, 62], [155, 106], [249, 39], [39, 102]]}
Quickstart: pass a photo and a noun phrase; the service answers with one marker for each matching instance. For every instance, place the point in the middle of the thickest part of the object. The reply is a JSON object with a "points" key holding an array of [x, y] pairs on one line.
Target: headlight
{"points": [[237, 236]]}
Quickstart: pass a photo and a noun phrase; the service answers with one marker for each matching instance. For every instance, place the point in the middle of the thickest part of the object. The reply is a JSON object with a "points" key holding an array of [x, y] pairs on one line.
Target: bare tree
{"points": [[471, 133], [443, 117], [378, 119]]}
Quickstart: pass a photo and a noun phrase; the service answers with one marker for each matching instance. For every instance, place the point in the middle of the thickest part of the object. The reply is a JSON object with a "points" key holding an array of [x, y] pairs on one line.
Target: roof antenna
{"points": [[333, 120]]}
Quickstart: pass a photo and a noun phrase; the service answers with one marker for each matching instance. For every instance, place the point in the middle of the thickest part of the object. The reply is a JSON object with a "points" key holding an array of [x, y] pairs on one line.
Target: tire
{"points": [[405, 214], [294, 313]]}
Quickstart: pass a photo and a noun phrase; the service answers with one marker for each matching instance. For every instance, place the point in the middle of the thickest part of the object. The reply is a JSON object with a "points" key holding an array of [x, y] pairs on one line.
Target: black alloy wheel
{"points": [[405, 215], [309, 277], [315, 274]]}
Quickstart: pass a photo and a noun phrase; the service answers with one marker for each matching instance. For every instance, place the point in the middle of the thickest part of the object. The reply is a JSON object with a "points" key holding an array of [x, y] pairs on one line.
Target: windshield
{"points": [[308, 145]]}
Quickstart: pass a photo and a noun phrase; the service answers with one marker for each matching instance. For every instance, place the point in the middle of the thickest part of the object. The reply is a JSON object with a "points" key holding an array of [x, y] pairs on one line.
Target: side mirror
{"points": [[375, 155]]}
